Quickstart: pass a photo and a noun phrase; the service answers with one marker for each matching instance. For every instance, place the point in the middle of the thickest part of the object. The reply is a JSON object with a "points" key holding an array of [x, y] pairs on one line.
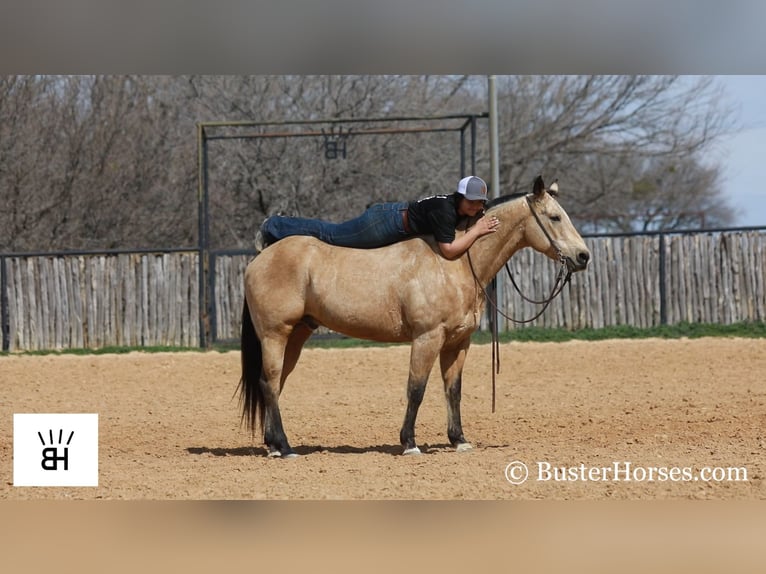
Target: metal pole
{"points": [[493, 140], [494, 178], [473, 145], [462, 152], [5, 322], [202, 205]]}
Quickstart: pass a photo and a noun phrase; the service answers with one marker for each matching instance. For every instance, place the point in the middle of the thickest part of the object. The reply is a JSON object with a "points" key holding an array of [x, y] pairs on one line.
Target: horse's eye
{"points": [[555, 218]]}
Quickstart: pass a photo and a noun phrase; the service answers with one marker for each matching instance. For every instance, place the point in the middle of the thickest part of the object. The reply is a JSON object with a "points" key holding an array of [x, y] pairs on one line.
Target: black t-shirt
{"points": [[435, 215]]}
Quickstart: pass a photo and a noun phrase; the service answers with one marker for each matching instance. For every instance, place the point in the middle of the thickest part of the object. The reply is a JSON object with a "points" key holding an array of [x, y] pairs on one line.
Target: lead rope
{"points": [[562, 278], [493, 327], [558, 287]]}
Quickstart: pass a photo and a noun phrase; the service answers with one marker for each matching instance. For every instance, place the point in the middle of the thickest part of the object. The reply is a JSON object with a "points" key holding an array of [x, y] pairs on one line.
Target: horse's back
{"points": [[296, 255]]}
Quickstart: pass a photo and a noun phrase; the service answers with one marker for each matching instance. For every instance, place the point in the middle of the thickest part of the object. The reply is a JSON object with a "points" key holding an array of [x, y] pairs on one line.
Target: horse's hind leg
{"points": [[452, 361], [300, 334], [425, 349], [271, 385]]}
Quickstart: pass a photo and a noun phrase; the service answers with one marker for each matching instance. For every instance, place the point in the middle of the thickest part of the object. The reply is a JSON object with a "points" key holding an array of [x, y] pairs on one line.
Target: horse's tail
{"points": [[250, 393]]}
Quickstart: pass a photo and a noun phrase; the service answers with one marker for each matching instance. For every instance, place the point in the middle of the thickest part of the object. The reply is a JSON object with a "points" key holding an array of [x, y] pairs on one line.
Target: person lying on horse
{"points": [[386, 223], [407, 292]]}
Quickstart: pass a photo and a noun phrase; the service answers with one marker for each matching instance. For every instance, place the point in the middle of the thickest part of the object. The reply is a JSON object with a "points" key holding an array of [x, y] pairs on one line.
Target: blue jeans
{"points": [[381, 224]]}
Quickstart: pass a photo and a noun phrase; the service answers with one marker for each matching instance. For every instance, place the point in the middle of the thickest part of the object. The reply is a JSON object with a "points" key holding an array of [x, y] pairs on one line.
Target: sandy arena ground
{"points": [[169, 423]]}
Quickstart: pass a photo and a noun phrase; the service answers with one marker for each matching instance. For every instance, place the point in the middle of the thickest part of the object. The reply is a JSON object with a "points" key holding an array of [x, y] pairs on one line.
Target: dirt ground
{"points": [[649, 419]]}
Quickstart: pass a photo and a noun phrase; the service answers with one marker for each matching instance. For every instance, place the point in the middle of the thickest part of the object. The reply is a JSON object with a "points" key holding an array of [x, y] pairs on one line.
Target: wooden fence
{"points": [[94, 301], [648, 280], [142, 299]]}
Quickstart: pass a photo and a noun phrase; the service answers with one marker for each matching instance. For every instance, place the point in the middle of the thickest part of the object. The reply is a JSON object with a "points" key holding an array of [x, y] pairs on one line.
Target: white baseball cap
{"points": [[472, 188]]}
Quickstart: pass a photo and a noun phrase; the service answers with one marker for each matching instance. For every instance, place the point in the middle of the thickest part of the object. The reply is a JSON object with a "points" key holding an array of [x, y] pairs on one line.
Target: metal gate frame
{"points": [[211, 131]]}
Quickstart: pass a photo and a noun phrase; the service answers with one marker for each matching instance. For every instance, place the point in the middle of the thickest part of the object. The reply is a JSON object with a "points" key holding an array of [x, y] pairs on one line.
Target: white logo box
{"points": [[55, 449]]}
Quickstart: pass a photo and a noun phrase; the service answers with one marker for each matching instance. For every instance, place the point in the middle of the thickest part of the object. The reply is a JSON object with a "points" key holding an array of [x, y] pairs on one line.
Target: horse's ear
{"points": [[553, 189], [539, 186]]}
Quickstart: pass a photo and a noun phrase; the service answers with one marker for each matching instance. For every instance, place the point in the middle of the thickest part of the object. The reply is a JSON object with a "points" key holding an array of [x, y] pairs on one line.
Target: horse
{"points": [[404, 292]]}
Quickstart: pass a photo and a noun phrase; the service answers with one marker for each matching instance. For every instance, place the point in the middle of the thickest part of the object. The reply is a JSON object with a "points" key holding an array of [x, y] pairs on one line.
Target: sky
{"points": [[743, 154]]}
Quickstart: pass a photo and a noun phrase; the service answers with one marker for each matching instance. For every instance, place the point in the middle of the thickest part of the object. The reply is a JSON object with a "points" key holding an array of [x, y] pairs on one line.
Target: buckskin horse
{"points": [[405, 292]]}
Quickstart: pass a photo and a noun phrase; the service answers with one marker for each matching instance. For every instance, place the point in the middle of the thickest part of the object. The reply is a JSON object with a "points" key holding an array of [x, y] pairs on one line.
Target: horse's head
{"points": [[550, 231]]}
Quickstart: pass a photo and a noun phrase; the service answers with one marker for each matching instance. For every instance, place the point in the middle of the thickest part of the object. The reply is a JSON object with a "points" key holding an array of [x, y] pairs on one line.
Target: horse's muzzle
{"points": [[579, 264]]}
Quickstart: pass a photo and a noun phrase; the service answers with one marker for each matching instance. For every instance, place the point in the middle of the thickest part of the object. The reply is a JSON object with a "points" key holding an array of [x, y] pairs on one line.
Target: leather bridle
{"points": [[563, 277]]}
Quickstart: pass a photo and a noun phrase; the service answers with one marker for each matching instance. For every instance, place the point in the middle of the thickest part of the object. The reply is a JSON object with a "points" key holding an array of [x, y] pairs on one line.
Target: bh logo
{"points": [[55, 450], [51, 456]]}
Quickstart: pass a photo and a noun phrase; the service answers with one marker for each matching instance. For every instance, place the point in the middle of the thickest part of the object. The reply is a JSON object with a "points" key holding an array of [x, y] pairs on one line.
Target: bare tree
{"points": [[604, 134], [25, 147], [650, 194], [94, 162], [253, 178], [111, 161]]}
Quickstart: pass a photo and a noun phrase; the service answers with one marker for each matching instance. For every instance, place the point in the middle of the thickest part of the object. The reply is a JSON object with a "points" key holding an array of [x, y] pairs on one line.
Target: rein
{"points": [[562, 278]]}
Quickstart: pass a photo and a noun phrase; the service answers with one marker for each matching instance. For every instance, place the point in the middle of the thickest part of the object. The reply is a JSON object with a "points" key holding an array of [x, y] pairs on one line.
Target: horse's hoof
{"points": [[278, 454], [464, 446], [413, 450]]}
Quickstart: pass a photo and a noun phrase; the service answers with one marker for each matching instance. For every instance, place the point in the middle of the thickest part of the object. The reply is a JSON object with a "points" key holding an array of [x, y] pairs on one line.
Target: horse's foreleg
{"points": [[422, 356], [271, 386], [452, 361]]}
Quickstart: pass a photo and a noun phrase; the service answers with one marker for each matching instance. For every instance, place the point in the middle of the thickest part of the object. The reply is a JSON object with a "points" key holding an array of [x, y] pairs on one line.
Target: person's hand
{"points": [[486, 225]]}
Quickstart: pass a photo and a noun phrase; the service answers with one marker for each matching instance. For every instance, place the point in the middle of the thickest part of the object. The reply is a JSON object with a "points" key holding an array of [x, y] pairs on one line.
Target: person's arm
{"points": [[460, 245]]}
